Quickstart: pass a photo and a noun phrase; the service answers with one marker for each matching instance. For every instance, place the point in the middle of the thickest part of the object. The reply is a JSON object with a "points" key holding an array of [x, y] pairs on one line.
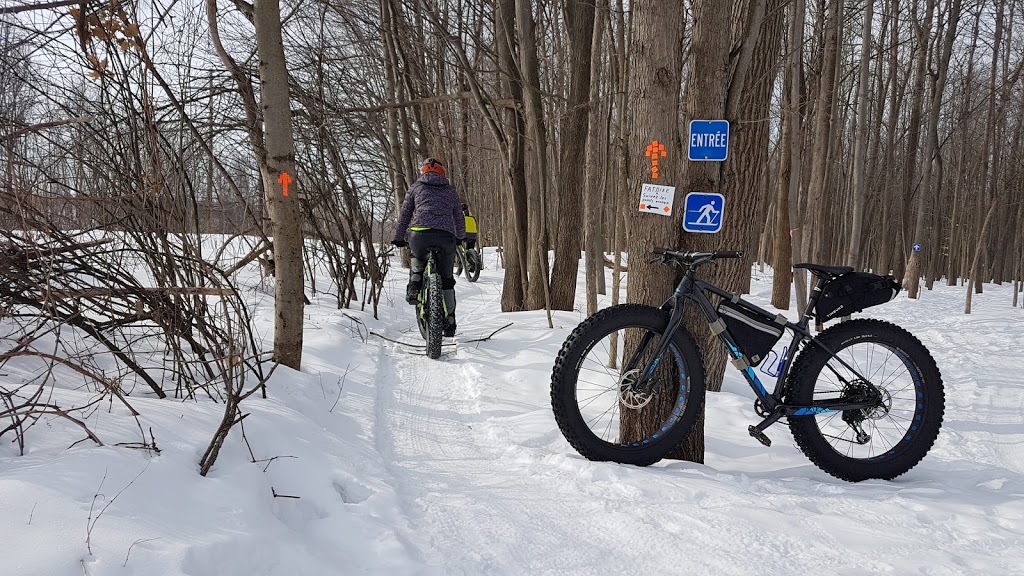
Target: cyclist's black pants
{"points": [[419, 244]]}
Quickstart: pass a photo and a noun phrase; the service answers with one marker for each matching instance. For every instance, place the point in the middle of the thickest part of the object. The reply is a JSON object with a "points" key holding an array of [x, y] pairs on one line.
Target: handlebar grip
{"points": [[729, 254], [692, 257]]}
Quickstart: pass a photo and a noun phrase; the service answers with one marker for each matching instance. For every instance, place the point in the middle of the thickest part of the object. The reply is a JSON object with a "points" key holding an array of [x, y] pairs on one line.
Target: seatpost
{"points": [[819, 282]]}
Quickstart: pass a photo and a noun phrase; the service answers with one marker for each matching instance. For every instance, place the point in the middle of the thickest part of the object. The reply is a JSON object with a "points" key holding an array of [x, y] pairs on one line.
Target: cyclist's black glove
{"points": [[460, 242], [400, 243]]}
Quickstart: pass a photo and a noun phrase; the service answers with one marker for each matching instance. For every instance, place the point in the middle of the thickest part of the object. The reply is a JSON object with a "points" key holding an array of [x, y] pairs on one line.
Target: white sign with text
{"points": [[657, 199]]}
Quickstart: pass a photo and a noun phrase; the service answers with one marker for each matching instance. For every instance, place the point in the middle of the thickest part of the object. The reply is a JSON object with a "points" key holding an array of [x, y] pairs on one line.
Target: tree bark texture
{"points": [[654, 95], [579, 18], [284, 210]]}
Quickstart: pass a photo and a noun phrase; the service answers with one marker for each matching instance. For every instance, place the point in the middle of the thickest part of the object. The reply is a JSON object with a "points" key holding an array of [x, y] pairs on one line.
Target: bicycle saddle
{"points": [[825, 270]]}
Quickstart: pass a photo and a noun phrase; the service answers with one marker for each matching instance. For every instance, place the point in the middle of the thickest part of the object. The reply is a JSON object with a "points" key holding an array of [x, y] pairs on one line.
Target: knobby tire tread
{"points": [[566, 371], [800, 389], [435, 315]]}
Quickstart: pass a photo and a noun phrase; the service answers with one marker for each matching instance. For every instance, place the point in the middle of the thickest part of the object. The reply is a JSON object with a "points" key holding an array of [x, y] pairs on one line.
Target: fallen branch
{"points": [[491, 334], [360, 326], [409, 344]]}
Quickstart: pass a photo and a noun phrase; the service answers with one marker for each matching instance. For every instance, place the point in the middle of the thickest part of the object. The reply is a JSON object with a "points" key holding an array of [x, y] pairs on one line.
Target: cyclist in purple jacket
{"points": [[432, 217]]}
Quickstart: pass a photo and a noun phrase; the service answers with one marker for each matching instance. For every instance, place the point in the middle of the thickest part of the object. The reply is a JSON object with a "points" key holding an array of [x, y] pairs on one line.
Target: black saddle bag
{"points": [[854, 292]]}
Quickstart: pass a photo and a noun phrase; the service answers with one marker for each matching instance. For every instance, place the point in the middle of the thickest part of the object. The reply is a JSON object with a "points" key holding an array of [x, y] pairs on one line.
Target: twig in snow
{"points": [[276, 495], [341, 386], [246, 439], [491, 335], [139, 541], [32, 513], [270, 460], [90, 522], [360, 326], [409, 344]]}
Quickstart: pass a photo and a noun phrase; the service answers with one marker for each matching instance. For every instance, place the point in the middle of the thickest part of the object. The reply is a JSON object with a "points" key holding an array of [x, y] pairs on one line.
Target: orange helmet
{"points": [[432, 165]]}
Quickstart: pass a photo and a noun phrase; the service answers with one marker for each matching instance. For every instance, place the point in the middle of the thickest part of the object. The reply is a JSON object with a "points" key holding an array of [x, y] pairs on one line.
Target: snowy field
{"points": [[386, 462]]}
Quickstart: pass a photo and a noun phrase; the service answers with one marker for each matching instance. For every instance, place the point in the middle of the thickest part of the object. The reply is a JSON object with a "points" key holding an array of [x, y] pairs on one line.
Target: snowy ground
{"points": [[398, 464]]}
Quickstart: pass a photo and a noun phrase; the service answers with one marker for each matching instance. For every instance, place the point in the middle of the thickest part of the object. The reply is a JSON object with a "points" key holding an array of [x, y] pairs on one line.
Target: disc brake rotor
{"points": [[629, 396]]}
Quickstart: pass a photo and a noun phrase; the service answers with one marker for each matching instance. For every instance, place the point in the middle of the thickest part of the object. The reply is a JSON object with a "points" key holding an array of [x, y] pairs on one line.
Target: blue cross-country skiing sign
{"points": [[703, 212], [709, 140]]}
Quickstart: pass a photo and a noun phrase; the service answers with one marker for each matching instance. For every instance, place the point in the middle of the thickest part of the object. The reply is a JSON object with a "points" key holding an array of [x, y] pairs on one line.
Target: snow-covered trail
{"points": [[488, 485], [376, 460]]}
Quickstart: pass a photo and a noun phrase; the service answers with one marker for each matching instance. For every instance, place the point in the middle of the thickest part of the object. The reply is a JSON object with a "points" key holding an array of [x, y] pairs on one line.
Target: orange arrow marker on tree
{"points": [[285, 180], [654, 149]]}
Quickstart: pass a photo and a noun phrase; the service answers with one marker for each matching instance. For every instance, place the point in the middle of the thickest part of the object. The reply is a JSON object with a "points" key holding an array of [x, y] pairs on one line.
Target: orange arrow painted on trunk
{"points": [[285, 180]]}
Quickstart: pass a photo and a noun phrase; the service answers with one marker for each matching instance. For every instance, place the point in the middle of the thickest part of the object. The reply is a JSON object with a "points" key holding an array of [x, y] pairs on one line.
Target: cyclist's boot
{"points": [[412, 292], [449, 306]]}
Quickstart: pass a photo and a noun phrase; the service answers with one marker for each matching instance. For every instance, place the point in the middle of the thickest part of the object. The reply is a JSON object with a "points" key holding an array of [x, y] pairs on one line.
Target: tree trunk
{"points": [[912, 279], [709, 88], [597, 169], [284, 210], [537, 294], [654, 81], [796, 41], [579, 19], [399, 182], [782, 255], [814, 238], [513, 295], [860, 142]]}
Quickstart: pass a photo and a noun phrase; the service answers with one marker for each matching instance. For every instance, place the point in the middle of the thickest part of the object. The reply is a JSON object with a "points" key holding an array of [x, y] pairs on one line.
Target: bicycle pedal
{"points": [[761, 436]]}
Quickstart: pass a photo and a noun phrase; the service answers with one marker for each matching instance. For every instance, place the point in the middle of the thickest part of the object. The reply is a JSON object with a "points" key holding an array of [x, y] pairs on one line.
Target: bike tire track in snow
{"points": [[462, 449]]}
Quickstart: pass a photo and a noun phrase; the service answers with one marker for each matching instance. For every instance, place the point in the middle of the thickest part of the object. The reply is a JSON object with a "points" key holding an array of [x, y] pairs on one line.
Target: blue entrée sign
{"points": [[704, 212], [709, 140]]}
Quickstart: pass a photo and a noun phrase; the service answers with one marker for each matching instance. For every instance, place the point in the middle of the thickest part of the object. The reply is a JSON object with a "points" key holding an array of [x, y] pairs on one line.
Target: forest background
{"points": [[131, 130]]}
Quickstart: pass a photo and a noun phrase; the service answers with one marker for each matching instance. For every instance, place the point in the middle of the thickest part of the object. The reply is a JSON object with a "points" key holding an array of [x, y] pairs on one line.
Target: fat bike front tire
{"points": [[435, 315], [601, 415]]}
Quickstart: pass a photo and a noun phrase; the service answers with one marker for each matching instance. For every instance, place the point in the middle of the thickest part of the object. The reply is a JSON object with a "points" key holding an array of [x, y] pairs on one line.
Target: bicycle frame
{"points": [[693, 289]]}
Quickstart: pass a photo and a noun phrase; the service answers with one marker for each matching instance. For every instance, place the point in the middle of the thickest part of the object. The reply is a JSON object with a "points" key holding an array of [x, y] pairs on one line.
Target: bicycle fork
{"points": [[644, 383]]}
